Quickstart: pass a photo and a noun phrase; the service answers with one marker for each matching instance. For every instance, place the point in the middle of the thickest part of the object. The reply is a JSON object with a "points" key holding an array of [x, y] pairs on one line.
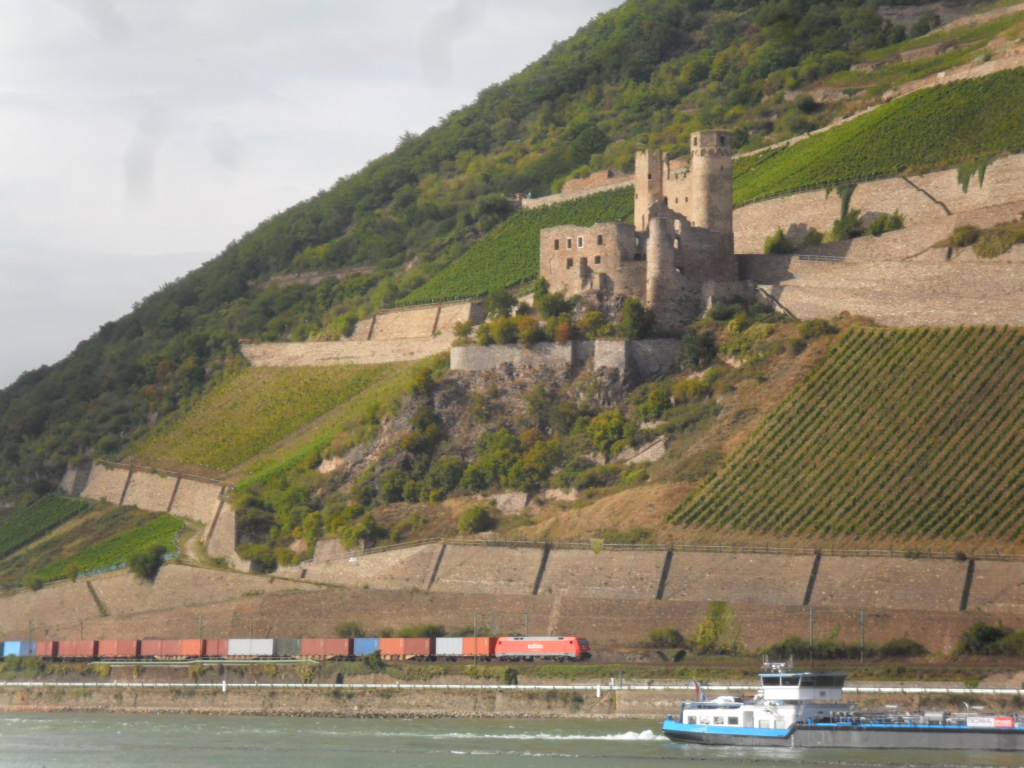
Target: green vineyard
{"points": [[256, 409], [931, 129], [916, 435], [24, 524], [509, 255]]}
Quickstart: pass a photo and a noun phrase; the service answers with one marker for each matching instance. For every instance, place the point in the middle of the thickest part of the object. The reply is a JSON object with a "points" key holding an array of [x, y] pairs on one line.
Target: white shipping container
{"points": [[448, 646], [250, 647]]}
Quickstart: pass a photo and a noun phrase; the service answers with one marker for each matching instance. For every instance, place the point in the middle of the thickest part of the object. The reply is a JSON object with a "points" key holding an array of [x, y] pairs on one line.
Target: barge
{"points": [[806, 709]]}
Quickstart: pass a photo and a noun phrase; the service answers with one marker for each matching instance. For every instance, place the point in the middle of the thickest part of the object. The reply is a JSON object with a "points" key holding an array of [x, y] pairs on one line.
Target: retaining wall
{"points": [[934, 199], [488, 570], [747, 578], [318, 353], [647, 358], [907, 294], [890, 584], [270, 607], [407, 568], [149, 490], [106, 483], [605, 574]]}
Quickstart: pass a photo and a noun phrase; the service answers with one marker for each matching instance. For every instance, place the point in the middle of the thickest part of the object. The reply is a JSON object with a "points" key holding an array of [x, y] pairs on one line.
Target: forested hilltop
{"points": [[644, 75]]}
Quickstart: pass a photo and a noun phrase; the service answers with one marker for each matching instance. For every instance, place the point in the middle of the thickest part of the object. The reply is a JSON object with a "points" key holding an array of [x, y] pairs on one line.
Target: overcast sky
{"points": [[139, 137]]}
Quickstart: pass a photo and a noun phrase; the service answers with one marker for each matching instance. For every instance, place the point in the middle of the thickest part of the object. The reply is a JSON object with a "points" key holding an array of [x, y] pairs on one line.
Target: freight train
{"points": [[515, 648]]}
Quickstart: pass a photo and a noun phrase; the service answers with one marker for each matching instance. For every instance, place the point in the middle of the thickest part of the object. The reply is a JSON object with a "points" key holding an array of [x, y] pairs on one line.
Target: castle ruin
{"points": [[676, 255]]}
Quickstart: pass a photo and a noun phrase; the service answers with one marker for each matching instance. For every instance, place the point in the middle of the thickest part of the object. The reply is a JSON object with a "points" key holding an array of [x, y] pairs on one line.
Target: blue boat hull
{"points": [[852, 736]]}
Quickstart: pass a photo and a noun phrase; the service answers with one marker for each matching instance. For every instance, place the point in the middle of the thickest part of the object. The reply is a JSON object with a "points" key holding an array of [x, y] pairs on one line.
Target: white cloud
{"points": [[134, 129]]}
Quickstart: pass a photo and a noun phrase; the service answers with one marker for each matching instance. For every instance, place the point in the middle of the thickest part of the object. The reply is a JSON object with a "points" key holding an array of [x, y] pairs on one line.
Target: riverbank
{"points": [[418, 700], [396, 701]]}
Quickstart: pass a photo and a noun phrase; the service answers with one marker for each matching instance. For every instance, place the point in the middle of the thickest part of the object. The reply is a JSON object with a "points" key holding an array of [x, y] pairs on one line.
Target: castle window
{"points": [[557, 241], [600, 239], [579, 242], [721, 141], [638, 257], [597, 259], [568, 242], [665, 201], [568, 263], [583, 263]]}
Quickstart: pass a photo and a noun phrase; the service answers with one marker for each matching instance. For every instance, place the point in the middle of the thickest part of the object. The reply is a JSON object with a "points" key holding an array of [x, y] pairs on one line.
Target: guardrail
{"points": [[398, 685]]}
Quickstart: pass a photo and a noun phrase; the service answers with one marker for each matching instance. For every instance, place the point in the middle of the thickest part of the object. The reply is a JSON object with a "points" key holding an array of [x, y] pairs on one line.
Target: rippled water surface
{"points": [[74, 740]]}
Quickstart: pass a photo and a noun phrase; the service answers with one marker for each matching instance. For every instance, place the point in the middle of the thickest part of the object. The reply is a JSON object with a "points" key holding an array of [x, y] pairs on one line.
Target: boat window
{"points": [[705, 721], [691, 720], [770, 680], [718, 719], [763, 724], [790, 680], [734, 721]]}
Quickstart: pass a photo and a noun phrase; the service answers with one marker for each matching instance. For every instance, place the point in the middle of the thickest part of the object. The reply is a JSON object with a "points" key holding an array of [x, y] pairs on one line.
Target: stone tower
{"points": [[648, 181], [711, 182]]}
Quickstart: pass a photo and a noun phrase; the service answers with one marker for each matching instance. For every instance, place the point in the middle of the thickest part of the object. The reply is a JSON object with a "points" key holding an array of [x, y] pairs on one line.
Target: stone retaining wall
{"points": [[646, 358], [149, 490], [890, 597], [106, 483], [345, 352], [933, 199]]}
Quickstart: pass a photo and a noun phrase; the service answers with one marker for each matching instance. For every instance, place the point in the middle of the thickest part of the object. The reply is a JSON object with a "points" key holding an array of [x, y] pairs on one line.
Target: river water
{"points": [[88, 740]]}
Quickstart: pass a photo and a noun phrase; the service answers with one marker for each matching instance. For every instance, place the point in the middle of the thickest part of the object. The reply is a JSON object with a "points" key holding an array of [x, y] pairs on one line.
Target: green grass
{"points": [[508, 255], [23, 525], [934, 128], [116, 550], [259, 410], [909, 435]]}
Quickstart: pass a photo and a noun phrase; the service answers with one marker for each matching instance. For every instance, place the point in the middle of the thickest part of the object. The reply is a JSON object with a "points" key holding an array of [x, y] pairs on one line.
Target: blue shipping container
{"points": [[16, 648], [365, 645]]}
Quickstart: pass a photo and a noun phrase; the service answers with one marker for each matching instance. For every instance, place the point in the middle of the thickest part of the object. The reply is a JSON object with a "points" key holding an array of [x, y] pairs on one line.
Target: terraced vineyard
{"points": [[508, 255], [116, 551], [915, 435], [934, 128], [25, 524], [254, 410]]}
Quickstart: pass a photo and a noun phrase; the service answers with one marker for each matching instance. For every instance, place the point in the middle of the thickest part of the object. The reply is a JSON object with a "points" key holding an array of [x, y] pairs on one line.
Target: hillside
{"points": [[433, 220]]}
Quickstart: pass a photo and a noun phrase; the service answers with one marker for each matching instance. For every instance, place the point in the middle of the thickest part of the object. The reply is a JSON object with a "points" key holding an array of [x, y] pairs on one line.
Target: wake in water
{"points": [[647, 735]]}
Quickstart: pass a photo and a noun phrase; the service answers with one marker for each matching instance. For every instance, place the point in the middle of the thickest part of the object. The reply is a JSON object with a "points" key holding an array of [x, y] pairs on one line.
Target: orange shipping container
{"points": [[150, 647], [406, 646], [193, 647], [478, 646], [325, 646]]}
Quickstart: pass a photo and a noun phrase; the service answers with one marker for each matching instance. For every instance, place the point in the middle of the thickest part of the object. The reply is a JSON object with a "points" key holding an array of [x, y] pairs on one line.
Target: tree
{"points": [[500, 303], [476, 519], [146, 564], [637, 320], [715, 634]]}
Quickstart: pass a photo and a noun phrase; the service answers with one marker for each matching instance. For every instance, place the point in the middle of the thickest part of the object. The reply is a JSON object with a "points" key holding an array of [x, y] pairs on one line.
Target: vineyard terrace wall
{"points": [[935, 201], [177, 494], [611, 596]]}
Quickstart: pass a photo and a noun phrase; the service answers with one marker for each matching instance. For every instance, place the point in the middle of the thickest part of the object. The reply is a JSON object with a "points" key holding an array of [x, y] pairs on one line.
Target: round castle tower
{"points": [[711, 181]]}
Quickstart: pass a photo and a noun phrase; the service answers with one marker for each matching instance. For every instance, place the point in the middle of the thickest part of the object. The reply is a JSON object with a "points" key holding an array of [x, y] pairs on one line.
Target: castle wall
{"points": [[543, 355], [344, 352], [646, 358], [573, 191]]}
